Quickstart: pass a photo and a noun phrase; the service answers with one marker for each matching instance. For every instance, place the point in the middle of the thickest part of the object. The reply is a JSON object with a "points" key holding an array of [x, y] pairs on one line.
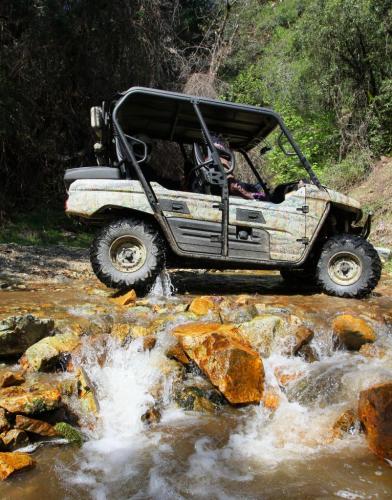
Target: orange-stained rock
{"points": [[352, 332], [86, 393], [372, 351], [14, 438], [285, 377], [228, 361], [126, 299], [12, 462], [202, 306], [7, 379], [177, 352], [35, 426], [30, 400], [344, 423], [203, 328], [375, 413], [4, 424], [149, 342], [271, 400], [303, 336]]}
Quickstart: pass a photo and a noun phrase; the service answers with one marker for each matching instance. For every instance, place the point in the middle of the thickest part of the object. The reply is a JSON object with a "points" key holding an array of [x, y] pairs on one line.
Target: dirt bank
{"points": [[56, 264]]}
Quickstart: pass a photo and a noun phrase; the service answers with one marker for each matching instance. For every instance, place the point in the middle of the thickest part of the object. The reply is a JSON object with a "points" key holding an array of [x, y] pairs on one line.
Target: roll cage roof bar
{"points": [[174, 132]]}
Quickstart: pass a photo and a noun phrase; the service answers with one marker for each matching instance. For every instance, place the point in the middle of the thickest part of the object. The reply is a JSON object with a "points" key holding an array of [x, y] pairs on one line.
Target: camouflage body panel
{"points": [[286, 223]]}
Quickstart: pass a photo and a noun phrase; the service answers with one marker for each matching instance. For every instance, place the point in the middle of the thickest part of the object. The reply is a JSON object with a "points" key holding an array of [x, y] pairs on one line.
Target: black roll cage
{"points": [[224, 205]]}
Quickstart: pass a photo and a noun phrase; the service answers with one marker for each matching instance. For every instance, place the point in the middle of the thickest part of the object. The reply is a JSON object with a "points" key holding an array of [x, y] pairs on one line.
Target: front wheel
{"points": [[348, 266], [128, 253]]}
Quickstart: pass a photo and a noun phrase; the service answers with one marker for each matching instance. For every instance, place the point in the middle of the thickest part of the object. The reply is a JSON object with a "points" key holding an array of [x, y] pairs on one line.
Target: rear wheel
{"points": [[348, 266], [128, 253]]}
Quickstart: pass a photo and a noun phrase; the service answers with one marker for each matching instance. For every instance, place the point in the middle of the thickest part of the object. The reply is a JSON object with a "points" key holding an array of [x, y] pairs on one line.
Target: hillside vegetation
{"points": [[325, 65]]}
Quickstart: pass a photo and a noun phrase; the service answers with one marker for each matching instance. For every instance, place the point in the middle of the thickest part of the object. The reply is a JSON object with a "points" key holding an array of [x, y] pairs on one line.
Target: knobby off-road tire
{"points": [[128, 253], [348, 266]]}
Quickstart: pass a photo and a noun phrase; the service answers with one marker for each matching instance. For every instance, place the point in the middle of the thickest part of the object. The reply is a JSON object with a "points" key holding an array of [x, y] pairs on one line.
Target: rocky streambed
{"points": [[235, 387]]}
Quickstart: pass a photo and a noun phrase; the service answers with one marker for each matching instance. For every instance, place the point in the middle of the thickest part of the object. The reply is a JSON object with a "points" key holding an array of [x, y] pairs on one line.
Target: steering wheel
{"points": [[208, 161]]}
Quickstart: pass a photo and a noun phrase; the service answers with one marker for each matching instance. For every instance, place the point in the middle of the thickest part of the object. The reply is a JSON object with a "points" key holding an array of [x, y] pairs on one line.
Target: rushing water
{"points": [[249, 452]]}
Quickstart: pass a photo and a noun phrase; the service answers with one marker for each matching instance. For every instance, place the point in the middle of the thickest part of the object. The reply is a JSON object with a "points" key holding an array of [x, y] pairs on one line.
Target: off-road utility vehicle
{"points": [[305, 230]]}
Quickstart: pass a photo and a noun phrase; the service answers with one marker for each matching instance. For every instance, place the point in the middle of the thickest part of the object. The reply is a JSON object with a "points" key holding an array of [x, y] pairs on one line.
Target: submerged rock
{"points": [[344, 424], [152, 416], [308, 353], [375, 413], [12, 462], [227, 360], [17, 333], [271, 400], [29, 400], [194, 398], [352, 332], [34, 426], [372, 351], [44, 355], [69, 433]]}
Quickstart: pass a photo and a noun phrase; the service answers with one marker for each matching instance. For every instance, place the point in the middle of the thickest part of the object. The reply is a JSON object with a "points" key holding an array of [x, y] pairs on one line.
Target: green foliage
{"points": [[348, 172], [381, 120], [45, 227], [326, 66]]}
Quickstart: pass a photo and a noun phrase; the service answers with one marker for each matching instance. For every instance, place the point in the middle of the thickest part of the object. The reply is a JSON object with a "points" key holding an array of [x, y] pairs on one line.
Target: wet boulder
{"points": [[231, 312], [4, 423], [270, 332], [9, 378], [125, 332], [86, 393], [346, 422], [12, 462], [194, 398], [202, 306], [72, 435], [225, 358], [352, 332], [34, 426], [17, 333], [261, 331], [14, 439], [45, 354], [375, 414], [30, 400]]}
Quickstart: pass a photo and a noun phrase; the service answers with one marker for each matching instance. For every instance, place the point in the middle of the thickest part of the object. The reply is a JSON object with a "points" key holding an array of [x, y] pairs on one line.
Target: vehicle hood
{"points": [[343, 200]]}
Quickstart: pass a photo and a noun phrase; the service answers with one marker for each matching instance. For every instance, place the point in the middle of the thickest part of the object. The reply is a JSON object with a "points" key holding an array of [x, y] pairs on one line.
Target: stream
{"points": [[239, 453]]}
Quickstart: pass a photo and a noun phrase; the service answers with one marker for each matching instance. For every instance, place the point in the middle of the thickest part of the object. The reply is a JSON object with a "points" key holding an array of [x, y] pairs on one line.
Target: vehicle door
{"points": [[261, 230]]}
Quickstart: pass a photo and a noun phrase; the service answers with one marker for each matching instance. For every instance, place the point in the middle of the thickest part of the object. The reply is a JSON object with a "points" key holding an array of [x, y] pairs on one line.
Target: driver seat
{"points": [[205, 177]]}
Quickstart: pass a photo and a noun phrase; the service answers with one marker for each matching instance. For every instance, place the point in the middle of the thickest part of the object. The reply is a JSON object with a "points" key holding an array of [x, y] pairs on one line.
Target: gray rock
{"points": [[384, 253], [17, 333]]}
